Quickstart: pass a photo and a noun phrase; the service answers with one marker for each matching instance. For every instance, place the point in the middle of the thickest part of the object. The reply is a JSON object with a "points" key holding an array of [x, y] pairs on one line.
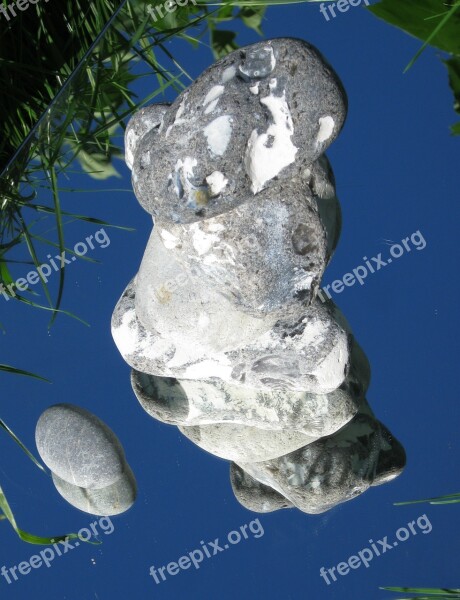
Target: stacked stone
{"points": [[223, 327], [87, 461]]}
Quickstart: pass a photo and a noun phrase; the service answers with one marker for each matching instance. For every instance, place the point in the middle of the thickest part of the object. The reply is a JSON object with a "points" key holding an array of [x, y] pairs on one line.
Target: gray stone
{"points": [[321, 181], [79, 447], [254, 495], [144, 121], [336, 468], [265, 257], [107, 501], [309, 353], [241, 443], [189, 402], [223, 326], [174, 301], [276, 104]]}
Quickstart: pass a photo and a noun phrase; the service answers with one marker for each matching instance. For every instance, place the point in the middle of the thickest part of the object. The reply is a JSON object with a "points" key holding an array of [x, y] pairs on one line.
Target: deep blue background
{"points": [[397, 172]]}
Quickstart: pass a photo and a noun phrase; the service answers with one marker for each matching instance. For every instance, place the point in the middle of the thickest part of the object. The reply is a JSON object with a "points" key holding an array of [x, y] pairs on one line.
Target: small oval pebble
{"points": [[79, 447]]}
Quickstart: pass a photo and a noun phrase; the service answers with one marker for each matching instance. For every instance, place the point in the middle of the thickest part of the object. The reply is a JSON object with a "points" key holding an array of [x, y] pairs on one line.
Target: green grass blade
{"points": [[438, 500], [434, 33], [29, 537], [9, 369], [4, 426]]}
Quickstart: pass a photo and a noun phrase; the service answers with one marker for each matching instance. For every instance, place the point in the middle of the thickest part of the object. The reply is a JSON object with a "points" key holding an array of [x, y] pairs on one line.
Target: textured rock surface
{"points": [[86, 460], [311, 353], [222, 325], [79, 447], [254, 495], [146, 120], [242, 443], [188, 402], [335, 469], [321, 182], [258, 115], [263, 256], [108, 501]]}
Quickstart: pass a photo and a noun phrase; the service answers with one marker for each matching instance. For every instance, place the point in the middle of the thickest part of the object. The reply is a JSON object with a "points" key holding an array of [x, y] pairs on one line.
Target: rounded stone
{"points": [[257, 116], [254, 495], [336, 468], [78, 447], [195, 403], [306, 352], [107, 501]]}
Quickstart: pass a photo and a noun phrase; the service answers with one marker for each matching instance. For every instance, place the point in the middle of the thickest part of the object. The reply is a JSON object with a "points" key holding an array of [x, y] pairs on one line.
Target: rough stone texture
{"points": [[321, 181], [222, 325], [108, 501], [188, 402], [311, 353], [254, 495], [173, 302], [245, 444], [79, 447], [146, 120], [263, 256], [335, 469], [258, 116]]}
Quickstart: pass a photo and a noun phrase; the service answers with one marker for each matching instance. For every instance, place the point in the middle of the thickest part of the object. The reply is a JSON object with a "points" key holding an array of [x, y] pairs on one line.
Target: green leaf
{"points": [[448, 499], [97, 165], [430, 593], [9, 369], [29, 537], [420, 18], [223, 42], [21, 445], [453, 67], [252, 17]]}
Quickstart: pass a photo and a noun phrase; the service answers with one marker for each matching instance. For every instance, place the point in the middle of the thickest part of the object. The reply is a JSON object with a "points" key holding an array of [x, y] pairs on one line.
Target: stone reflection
{"points": [[86, 459], [223, 327]]}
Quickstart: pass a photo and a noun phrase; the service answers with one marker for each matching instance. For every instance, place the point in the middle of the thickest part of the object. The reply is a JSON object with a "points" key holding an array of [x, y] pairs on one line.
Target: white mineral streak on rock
{"points": [[125, 336], [147, 119], [228, 74], [272, 57], [326, 128], [183, 173], [214, 94], [270, 152], [178, 120], [202, 369], [130, 143], [218, 134], [170, 241], [202, 240], [211, 107], [216, 182]]}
